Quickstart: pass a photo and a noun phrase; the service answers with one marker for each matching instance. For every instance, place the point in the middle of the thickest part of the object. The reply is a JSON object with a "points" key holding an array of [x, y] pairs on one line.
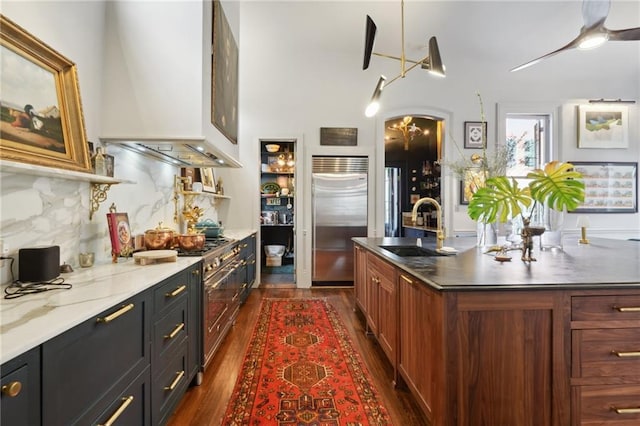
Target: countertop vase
{"points": [[487, 234]]}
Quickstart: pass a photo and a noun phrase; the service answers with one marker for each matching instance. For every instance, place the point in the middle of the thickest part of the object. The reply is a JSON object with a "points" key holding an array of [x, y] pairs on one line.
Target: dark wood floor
{"points": [[205, 404]]}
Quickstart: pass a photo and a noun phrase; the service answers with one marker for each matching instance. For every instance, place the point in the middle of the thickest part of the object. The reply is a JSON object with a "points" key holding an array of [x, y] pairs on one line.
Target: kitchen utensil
{"points": [[269, 217], [270, 188], [155, 256], [210, 228], [159, 238], [191, 242]]}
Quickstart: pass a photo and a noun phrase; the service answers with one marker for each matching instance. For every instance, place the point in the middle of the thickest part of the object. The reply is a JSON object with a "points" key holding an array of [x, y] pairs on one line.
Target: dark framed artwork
{"points": [[609, 187], [41, 118], [339, 136], [224, 76], [475, 134]]}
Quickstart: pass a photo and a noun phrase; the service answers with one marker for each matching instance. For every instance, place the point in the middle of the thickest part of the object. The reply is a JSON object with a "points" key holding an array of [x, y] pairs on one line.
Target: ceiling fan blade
{"points": [[624, 35], [594, 12], [370, 37], [568, 46]]}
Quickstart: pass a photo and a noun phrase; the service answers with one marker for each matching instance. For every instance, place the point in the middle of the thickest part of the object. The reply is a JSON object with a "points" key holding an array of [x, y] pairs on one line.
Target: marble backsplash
{"points": [[38, 210]]}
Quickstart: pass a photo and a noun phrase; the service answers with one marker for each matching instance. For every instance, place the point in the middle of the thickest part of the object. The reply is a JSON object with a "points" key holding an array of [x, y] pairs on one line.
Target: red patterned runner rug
{"points": [[301, 369]]}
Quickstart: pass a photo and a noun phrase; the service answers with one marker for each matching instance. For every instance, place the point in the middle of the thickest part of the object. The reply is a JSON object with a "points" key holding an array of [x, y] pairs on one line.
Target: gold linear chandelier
{"points": [[432, 62]]}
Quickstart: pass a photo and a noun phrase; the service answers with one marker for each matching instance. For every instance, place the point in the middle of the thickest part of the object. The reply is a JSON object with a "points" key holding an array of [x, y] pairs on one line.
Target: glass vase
{"points": [[551, 238], [486, 234]]}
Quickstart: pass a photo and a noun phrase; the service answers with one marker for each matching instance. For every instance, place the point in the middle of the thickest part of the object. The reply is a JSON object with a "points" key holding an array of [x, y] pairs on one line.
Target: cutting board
{"points": [[150, 257]]}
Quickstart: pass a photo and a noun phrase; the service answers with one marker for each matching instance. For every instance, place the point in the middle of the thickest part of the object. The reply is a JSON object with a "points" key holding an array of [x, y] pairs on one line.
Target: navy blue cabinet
{"points": [[20, 397]]}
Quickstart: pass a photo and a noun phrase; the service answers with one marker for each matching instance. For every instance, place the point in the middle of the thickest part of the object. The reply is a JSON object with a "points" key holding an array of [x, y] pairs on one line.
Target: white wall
{"points": [[300, 69]]}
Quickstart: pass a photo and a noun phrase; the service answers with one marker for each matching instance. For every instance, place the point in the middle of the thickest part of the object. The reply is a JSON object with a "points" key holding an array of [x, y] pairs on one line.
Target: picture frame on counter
{"points": [[208, 179], [475, 134], [122, 241], [603, 126], [42, 121], [610, 187]]}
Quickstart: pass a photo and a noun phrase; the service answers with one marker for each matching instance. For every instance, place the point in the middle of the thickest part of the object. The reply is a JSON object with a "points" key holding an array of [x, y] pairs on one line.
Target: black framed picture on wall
{"points": [[475, 134]]}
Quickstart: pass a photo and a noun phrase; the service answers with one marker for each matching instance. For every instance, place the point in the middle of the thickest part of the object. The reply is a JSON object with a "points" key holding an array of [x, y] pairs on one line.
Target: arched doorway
{"points": [[412, 150]]}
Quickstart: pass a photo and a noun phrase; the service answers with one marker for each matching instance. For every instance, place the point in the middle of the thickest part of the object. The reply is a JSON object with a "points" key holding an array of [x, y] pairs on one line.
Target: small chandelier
{"points": [[408, 129]]}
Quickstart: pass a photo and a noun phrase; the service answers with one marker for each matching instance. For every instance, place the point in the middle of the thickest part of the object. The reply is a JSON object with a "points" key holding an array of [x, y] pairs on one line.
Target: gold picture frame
{"points": [[40, 122], [208, 179]]}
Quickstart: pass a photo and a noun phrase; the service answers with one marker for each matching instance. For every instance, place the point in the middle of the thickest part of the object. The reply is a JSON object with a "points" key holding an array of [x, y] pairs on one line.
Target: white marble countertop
{"points": [[31, 320]]}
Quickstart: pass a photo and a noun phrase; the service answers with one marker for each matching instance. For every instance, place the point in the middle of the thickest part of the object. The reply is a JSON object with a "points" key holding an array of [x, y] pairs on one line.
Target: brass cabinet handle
{"points": [[175, 331], [12, 389], [244, 285], [176, 292], [172, 386], [625, 354], [633, 410], [626, 308], [125, 403], [245, 245], [123, 310], [253, 262], [195, 272], [406, 279]]}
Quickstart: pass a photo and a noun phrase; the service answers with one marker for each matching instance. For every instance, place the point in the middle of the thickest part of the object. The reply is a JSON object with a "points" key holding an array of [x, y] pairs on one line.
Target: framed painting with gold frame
{"points": [[208, 179], [41, 115]]}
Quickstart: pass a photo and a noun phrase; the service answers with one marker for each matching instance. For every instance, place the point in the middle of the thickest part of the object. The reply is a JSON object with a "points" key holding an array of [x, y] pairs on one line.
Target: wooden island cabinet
{"points": [[496, 347]]}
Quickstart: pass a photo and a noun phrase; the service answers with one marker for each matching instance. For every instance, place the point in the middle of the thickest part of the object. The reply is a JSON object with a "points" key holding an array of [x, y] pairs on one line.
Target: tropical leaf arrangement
{"points": [[557, 186]]}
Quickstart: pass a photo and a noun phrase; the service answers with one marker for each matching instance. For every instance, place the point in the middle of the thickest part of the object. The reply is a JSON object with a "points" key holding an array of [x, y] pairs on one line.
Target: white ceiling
{"points": [[502, 33]]}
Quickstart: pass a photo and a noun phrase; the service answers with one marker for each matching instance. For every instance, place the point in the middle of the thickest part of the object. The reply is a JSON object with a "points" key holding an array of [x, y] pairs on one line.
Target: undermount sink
{"points": [[411, 251]]}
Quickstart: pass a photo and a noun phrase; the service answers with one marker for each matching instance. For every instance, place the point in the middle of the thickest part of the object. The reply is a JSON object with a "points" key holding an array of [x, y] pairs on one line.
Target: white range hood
{"points": [[181, 152]]}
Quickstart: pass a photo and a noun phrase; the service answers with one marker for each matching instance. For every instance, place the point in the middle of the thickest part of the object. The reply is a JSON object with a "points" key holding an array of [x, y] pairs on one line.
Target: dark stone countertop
{"points": [[603, 264]]}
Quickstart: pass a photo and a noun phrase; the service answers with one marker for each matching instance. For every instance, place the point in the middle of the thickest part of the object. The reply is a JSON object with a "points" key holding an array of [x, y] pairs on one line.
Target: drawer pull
{"points": [[626, 308], [406, 279], [626, 354], [633, 410], [172, 386], [125, 403], [177, 291], [195, 272], [12, 389], [123, 310], [175, 331]]}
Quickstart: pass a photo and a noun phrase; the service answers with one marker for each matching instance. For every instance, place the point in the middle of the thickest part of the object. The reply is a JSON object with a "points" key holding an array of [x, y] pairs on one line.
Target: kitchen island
{"points": [[552, 342]]}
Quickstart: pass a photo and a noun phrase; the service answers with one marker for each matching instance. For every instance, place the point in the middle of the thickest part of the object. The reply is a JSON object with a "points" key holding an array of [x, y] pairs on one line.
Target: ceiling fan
{"points": [[593, 33]]}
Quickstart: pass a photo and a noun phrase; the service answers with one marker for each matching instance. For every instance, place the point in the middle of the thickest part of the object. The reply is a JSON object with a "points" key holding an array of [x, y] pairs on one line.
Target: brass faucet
{"points": [[439, 231]]}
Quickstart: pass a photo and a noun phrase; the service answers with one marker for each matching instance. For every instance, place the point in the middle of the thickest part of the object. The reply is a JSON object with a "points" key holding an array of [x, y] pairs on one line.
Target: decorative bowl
{"points": [[272, 147]]}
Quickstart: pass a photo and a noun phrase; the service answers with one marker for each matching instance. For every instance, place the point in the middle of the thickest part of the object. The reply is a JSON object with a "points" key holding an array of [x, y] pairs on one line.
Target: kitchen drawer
{"points": [[598, 405], [171, 291], [170, 330], [382, 267], [609, 352], [169, 386], [20, 397], [129, 407], [80, 366], [605, 308]]}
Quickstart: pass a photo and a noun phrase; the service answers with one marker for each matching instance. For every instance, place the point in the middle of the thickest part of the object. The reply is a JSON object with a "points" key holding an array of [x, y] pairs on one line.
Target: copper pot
{"points": [[191, 242], [160, 238]]}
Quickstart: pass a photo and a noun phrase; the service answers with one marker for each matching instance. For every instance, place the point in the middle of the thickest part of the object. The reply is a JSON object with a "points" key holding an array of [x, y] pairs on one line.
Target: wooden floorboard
{"points": [[205, 404]]}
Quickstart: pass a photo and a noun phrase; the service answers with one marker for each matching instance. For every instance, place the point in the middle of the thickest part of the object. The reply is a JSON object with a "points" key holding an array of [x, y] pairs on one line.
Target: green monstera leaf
{"points": [[558, 186], [502, 199]]}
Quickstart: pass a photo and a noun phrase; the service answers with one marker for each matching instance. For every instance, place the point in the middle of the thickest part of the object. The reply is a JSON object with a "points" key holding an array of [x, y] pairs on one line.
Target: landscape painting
{"points": [[603, 126], [41, 118]]}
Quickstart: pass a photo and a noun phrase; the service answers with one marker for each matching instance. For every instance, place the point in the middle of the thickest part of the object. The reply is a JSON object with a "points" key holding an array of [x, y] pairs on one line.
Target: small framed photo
{"points": [[208, 179], [475, 134]]}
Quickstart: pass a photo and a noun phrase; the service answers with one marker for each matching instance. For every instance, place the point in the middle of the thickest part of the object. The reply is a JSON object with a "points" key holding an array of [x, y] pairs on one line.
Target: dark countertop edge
{"points": [[368, 243]]}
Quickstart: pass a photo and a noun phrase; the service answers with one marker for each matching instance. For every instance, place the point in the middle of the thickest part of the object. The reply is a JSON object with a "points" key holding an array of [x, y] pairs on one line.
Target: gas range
{"points": [[210, 245]]}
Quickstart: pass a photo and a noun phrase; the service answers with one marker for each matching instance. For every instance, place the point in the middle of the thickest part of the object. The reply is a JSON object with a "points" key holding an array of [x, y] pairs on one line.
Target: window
{"points": [[527, 142]]}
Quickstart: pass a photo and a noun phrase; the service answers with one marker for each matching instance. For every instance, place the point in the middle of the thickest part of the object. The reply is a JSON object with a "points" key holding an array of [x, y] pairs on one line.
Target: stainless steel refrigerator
{"points": [[339, 194]]}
